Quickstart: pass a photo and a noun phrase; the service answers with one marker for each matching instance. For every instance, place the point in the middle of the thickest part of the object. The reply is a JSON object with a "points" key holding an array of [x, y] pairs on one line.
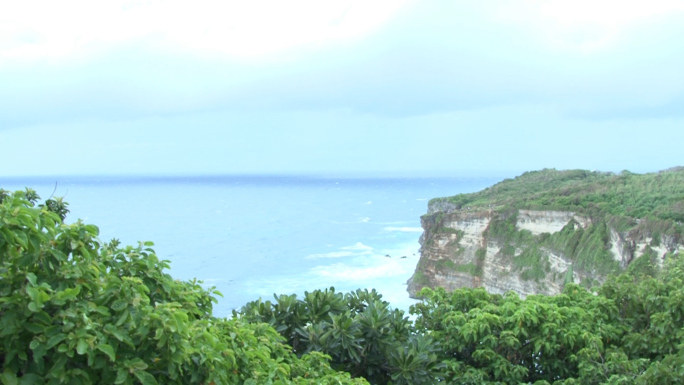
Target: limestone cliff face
{"points": [[529, 252]]}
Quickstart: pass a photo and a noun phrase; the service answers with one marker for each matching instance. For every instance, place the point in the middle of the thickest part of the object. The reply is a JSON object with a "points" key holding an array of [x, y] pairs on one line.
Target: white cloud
{"points": [[606, 12], [209, 27], [585, 25]]}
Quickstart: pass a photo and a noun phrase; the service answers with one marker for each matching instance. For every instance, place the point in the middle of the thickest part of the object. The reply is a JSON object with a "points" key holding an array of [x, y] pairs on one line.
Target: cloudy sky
{"points": [[455, 87]]}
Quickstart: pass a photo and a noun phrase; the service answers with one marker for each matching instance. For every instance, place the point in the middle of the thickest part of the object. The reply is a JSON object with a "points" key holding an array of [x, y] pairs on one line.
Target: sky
{"points": [[354, 88]]}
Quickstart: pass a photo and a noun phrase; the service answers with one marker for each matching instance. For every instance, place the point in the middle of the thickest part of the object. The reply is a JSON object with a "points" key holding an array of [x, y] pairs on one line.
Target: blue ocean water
{"points": [[252, 236]]}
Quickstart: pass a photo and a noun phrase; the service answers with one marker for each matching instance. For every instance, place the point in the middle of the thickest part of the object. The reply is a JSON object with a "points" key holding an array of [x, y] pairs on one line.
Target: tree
{"points": [[76, 310], [359, 330], [628, 332]]}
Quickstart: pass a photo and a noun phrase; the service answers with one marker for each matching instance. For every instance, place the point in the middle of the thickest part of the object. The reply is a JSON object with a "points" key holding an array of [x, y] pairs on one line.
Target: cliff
{"points": [[535, 233]]}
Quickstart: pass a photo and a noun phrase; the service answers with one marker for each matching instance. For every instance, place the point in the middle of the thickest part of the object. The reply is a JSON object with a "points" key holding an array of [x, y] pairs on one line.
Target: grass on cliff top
{"points": [[655, 195]]}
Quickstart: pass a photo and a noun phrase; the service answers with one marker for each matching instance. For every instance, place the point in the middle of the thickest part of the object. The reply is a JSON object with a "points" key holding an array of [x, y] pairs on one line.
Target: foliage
{"points": [[76, 310], [588, 248], [629, 332], [627, 194], [617, 198], [419, 278], [644, 265], [612, 201], [469, 268], [359, 330]]}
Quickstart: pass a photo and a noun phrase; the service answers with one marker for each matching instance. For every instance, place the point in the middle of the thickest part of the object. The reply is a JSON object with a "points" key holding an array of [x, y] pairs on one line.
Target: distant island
{"points": [[543, 229]]}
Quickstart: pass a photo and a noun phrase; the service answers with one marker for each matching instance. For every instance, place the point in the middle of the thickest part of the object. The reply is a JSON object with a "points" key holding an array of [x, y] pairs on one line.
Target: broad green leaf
{"points": [[92, 229], [122, 319], [137, 364], [30, 379], [32, 292], [68, 294], [31, 277], [34, 328], [82, 346], [9, 378], [119, 305], [121, 376], [103, 311], [21, 238], [108, 350], [145, 378], [59, 365]]}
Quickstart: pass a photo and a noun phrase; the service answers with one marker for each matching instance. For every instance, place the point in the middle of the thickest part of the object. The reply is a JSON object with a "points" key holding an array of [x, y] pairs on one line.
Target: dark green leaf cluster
{"points": [[74, 310], [359, 330], [629, 332]]}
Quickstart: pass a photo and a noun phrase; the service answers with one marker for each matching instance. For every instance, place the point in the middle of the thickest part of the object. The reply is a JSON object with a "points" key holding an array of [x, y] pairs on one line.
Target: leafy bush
{"points": [[359, 330], [627, 333], [74, 310]]}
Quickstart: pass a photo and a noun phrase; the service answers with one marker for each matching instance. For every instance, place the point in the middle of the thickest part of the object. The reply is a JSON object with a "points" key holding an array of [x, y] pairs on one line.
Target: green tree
{"points": [[358, 330], [78, 311]]}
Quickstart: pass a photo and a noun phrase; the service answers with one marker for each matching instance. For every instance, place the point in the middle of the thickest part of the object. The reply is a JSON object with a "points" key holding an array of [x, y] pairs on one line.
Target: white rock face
{"points": [[659, 250], [624, 250], [473, 227], [550, 222], [618, 248], [449, 256]]}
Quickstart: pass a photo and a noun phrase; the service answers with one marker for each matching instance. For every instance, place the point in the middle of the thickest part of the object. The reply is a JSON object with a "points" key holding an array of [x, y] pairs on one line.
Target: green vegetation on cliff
{"points": [[656, 195], [647, 207], [588, 248]]}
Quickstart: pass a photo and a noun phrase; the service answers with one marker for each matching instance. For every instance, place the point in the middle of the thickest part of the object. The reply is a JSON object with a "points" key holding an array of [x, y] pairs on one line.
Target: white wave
{"points": [[369, 202], [334, 254], [357, 246], [405, 229], [364, 219], [356, 250], [367, 268], [346, 273]]}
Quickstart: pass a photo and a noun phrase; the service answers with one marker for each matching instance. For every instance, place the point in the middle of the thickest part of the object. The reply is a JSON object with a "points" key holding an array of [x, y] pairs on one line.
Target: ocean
{"points": [[253, 236]]}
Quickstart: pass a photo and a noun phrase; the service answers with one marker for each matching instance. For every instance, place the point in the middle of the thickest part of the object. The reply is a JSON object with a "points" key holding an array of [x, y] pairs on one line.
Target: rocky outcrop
{"points": [[539, 222], [525, 251]]}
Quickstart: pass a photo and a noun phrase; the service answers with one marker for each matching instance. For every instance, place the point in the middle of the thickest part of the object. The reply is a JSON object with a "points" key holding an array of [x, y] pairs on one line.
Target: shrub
{"points": [[76, 310]]}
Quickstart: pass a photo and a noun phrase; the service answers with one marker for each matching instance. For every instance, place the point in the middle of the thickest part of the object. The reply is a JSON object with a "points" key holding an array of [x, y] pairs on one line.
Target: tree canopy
{"points": [[74, 310]]}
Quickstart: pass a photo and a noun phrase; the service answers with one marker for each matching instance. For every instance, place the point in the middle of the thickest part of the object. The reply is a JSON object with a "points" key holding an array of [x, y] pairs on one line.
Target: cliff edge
{"points": [[543, 229]]}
